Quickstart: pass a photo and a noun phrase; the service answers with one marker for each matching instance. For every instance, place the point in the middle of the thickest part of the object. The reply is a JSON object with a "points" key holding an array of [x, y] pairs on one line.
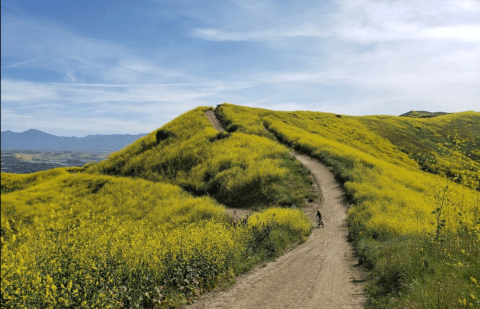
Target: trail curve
{"points": [[321, 273]]}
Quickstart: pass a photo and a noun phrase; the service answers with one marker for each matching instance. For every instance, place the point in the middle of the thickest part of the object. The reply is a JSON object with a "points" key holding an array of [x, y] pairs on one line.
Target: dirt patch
{"points": [[321, 273], [239, 213]]}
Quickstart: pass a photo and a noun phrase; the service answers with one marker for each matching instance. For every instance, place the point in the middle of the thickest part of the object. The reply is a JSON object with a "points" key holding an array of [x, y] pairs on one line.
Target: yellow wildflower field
{"points": [[237, 169], [391, 191], [71, 239], [413, 185]]}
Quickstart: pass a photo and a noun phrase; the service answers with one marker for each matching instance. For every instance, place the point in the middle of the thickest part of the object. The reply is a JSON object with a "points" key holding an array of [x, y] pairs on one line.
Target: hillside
{"points": [[415, 188], [412, 186], [237, 169], [447, 145], [422, 114]]}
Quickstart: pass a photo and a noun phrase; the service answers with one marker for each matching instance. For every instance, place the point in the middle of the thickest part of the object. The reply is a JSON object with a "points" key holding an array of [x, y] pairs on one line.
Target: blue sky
{"points": [[73, 68]]}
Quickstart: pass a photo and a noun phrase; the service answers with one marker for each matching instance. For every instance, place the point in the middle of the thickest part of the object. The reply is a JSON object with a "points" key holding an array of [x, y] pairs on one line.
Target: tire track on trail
{"points": [[320, 273]]}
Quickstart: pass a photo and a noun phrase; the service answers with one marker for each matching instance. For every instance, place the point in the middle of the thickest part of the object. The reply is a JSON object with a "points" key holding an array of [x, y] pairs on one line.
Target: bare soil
{"points": [[239, 213], [321, 273], [211, 116]]}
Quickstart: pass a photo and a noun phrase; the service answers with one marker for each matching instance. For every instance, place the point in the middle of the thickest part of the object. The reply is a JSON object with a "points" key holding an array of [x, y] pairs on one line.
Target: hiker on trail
{"points": [[319, 218]]}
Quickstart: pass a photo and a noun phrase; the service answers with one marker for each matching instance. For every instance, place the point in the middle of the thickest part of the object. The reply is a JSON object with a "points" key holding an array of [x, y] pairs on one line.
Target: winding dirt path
{"points": [[321, 273]]}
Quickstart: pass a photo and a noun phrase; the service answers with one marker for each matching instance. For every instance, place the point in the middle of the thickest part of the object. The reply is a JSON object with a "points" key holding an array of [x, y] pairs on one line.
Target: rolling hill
{"points": [[411, 183]]}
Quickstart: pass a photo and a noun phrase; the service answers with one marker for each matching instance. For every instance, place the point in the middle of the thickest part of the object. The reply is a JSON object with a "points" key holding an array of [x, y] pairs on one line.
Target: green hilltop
{"points": [[237, 169], [422, 114]]}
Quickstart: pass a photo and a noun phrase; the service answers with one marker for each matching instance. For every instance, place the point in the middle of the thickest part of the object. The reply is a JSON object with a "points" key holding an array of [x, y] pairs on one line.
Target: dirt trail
{"points": [[236, 213], [211, 116], [321, 273]]}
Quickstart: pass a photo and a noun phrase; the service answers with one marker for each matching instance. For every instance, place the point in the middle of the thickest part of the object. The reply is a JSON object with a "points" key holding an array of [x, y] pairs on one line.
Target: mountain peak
{"points": [[35, 133]]}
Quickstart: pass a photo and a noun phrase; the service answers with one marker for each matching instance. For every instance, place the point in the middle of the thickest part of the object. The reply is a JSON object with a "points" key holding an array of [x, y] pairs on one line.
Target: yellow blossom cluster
{"points": [[71, 239]]}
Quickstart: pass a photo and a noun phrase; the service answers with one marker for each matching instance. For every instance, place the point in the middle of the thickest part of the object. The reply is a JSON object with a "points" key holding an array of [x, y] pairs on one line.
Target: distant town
{"points": [[30, 161], [33, 150]]}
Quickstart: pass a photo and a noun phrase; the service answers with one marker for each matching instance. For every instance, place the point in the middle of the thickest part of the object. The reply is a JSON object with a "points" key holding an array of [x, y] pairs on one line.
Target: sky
{"points": [[74, 68]]}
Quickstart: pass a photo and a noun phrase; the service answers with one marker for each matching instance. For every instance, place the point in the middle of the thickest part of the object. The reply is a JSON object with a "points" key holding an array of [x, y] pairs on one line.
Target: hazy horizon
{"points": [[72, 135]]}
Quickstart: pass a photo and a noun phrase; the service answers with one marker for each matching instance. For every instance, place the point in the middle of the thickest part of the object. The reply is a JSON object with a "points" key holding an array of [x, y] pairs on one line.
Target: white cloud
{"points": [[21, 91], [79, 126], [349, 56], [463, 33], [118, 108], [306, 31]]}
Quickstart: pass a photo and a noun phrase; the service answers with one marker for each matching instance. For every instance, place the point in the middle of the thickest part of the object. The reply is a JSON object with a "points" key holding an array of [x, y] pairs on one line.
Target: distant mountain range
{"points": [[38, 140]]}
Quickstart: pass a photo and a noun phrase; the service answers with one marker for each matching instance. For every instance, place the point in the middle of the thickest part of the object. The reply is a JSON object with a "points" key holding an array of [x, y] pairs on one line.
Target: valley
{"points": [[30, 161]]}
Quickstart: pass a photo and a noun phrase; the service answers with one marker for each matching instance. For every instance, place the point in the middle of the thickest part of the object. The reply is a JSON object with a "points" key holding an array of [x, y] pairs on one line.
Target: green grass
{"points": [[421, 272], [446, 145]]}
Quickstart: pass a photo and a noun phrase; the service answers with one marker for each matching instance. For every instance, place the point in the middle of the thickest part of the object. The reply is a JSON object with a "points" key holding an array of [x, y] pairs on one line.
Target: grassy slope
{"points": [[238, 169], [422, 114], [445, 145], [103, 236], [378, 158], [398, 207], [73, 239]]}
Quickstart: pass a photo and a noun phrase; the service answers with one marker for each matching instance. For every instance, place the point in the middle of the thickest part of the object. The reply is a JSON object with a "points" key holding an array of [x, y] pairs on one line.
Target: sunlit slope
{"points": [[237, 169], [12, 182], [126, 198], [71, 239], [446, 145], [430, 142], [392, 193], [75, 240]]}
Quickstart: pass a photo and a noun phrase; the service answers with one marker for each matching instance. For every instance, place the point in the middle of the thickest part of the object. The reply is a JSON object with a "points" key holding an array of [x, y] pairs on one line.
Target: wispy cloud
{"points": [[79, 127], [301, 31], [152, 103], [20, 64], [402, 51], [343, 56]]}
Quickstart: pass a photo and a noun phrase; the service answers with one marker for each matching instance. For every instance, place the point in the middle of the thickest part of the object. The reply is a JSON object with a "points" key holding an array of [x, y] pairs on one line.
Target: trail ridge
{"points": [[321, 273], [216, 124]]}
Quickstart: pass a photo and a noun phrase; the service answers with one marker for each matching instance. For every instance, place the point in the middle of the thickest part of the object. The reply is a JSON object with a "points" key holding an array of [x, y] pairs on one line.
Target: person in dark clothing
{"points": [[319, 218]]}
